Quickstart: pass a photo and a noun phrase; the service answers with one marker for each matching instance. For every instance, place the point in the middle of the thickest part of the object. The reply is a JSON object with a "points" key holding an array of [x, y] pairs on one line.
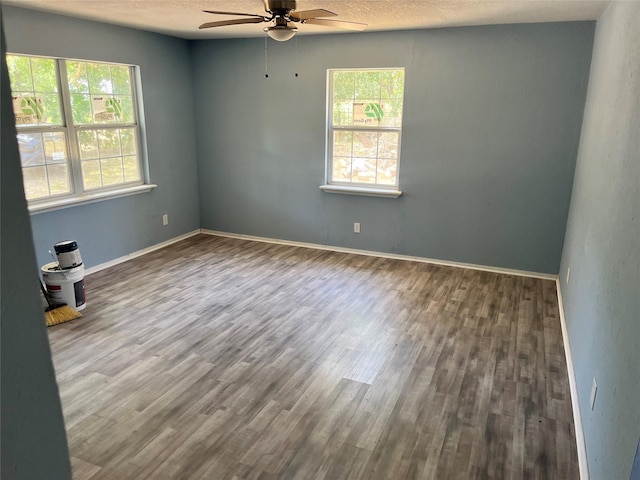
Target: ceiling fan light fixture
{"points": [[281, 33]]}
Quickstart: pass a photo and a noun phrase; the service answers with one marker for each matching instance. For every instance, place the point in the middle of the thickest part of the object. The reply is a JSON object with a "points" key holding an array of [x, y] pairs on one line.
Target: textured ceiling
{"points": [[181, 18]]}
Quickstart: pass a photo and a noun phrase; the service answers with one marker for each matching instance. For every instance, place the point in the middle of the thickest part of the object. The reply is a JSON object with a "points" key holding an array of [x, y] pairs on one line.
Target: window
{"points": [[77, 124], [364, 130]]}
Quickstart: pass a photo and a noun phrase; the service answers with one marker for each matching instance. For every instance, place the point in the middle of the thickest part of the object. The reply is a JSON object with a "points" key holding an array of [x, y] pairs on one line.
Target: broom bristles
{"points": [[61, 314]]}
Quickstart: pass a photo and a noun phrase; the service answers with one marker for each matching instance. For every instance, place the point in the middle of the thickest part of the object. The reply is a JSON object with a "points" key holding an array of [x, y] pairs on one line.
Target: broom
{"points": [[57, 312]]}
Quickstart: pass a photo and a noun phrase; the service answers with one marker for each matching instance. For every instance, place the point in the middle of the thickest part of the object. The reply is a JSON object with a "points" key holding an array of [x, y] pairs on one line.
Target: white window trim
{"points": [[60, 203], [77, 198], [357, 190], [391, 191]]}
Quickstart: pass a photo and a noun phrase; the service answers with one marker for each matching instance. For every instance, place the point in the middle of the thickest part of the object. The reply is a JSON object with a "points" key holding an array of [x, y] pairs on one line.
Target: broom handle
{"points": [[44, 292]]}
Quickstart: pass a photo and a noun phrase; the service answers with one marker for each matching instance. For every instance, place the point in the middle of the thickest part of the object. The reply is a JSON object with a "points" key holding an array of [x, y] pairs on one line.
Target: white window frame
{"points": [[356, 188], [78, 194]]}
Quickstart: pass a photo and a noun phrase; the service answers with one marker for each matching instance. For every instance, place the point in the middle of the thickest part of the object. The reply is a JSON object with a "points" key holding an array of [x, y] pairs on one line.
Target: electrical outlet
{"points": [[165, 219], [568, 274], [356, 227], [594, 389]]}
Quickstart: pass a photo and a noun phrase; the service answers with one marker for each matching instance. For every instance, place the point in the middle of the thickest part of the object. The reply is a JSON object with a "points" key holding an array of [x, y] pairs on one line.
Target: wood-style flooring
{"points": [[218, 358]]}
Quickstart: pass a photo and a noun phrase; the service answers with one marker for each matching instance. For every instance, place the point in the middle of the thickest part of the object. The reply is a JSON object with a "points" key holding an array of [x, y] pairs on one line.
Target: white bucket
{"points": [[65, 286]]}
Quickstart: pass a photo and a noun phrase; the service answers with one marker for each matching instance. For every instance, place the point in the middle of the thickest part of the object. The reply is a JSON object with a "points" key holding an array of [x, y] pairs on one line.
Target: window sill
{"points": [[367, 191], [86, 198]]}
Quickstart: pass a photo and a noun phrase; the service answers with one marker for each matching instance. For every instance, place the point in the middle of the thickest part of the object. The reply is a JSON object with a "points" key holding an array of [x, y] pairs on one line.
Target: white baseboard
{"points": [[111, 263], [394, 256], [573, 387]]}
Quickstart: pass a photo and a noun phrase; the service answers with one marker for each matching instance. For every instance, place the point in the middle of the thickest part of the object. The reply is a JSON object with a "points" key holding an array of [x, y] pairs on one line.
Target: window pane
{"points": [[35, 182], [55, 147], [365, 144], [91, 174], [375, 157], [392, 84], [344, 85], [36, 150], [342, 143], [52, 114], [107, 98], [88, 143], [114, 167], [343, 113], [58, 179], [34, 85], [368, 85], [81, 109], [112, 172], [77, 77], [363, 170], [392, 113], [99, 78], [128, 141], [109, 143], [44, 74], [388, 144], [19, 73], [28, 110], [107, 108], [387, 171], [126, 115], [120, 78], [131, 169], [342, 169], [31, 150], [376, 99]]}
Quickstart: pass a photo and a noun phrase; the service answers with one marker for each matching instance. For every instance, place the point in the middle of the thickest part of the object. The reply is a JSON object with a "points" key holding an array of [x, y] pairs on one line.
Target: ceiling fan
{"points": [[283, 14]]}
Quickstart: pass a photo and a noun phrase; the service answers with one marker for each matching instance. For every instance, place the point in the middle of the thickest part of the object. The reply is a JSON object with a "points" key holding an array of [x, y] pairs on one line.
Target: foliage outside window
{"points": [[77, 126], [365, 126]]}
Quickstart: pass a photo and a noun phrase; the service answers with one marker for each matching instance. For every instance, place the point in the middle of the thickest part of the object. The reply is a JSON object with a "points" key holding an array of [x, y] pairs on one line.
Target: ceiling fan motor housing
{"points": [[279, 7]]}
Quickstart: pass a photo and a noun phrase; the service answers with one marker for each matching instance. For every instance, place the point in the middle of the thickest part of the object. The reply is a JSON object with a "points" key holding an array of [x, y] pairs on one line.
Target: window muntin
{"points": [[77, 126], [365, 124]]}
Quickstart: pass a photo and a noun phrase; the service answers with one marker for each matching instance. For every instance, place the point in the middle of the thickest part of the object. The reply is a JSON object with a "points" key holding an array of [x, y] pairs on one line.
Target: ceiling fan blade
{"points": [[307, 14], [216, 12], [336, 23], [237, 21]]}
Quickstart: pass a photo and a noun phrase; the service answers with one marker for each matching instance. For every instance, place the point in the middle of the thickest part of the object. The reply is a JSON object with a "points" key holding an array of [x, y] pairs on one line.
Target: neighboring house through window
{"points": [[364, 130], [78, 128]]}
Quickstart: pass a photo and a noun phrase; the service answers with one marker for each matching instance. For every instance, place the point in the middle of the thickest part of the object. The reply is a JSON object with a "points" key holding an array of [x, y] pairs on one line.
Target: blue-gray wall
{"points": [[33, 443], [491, 129], [114, 228], [602, 247]]}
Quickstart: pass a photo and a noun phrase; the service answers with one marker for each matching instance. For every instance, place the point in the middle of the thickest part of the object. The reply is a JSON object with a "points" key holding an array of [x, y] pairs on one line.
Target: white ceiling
{"points": [[181, 18]]}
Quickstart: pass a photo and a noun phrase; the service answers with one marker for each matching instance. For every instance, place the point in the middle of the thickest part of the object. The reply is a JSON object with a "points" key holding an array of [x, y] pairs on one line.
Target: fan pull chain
{"points": [[266, 59], [296, 65]]}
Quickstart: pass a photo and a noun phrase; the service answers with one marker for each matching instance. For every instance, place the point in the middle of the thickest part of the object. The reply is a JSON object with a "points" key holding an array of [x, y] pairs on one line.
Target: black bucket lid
{"points": [[66, 246]]}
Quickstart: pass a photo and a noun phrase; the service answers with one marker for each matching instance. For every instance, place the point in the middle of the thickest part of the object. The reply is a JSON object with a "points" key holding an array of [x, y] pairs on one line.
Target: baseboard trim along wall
{"points": [[573, 387], [138, 253], [393, 256]]}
